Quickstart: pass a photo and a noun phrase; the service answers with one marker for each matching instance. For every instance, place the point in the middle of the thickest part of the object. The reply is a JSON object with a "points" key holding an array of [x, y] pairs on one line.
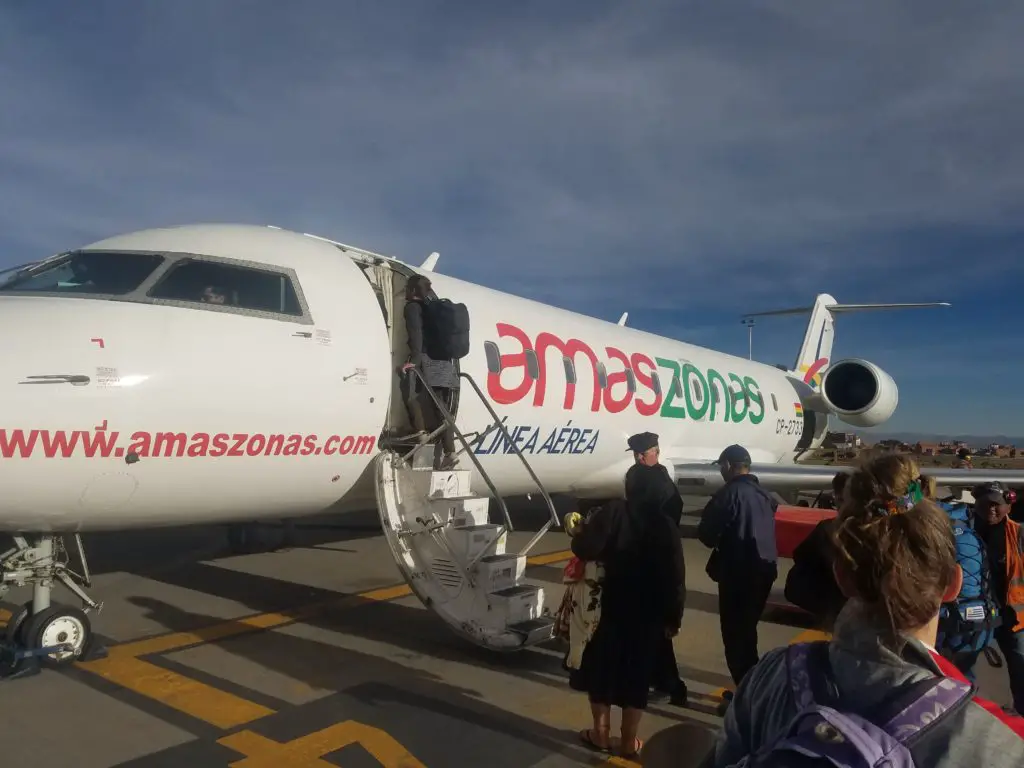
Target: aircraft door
{"points": [[390, 285]]}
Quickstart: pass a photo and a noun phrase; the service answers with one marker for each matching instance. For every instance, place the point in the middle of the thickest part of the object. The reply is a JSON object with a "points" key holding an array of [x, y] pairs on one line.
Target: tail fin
{"points": [[816, 350]]}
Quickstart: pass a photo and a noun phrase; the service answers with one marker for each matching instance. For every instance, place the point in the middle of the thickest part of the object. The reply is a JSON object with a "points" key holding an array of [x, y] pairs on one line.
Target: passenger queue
{"points": [[912, 590]]}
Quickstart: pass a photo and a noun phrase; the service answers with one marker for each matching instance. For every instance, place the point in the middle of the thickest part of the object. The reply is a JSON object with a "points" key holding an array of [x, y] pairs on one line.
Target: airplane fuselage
{"points": [[135, 409]]}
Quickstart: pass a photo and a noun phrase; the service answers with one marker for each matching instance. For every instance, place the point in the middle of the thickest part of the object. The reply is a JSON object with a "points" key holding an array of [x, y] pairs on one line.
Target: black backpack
{"points": [[445, 329]]}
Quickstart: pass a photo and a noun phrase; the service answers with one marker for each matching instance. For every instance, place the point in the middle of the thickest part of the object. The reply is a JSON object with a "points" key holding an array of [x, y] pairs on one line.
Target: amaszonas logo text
{"points": [[669, 388]]}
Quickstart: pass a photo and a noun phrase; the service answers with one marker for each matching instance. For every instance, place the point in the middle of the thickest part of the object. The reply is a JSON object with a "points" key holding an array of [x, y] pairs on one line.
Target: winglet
{"points": [[622, 320], [430, 262]]}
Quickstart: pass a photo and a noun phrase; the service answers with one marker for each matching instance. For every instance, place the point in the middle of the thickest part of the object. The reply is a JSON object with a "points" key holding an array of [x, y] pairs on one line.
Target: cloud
{"points": [[674, 158]]}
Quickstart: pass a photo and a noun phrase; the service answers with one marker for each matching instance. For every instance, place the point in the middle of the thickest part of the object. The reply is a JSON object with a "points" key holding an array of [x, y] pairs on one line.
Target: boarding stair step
{"points": [[498, 572], [468, 541], [449, 484], [517, 604], [535, 631]]}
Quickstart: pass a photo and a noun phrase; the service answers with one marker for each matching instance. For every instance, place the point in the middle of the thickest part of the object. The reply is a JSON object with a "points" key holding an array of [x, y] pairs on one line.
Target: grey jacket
{"points": [[865, 673]]}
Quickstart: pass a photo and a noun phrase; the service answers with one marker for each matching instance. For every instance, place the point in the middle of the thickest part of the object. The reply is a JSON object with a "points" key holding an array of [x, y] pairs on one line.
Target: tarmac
{"points": [[317, 655]]}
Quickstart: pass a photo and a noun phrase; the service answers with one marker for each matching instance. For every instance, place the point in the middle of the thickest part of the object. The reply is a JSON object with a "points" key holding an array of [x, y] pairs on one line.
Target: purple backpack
{"points": [[821, 735]]}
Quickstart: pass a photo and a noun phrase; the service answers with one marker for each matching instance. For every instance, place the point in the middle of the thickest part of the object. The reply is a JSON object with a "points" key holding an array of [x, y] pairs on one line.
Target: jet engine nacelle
{"points": [[859, 393]]}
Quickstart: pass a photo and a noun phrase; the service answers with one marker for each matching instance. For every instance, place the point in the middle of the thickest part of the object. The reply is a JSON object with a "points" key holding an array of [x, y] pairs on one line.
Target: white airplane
{"points": [[231, 374]]}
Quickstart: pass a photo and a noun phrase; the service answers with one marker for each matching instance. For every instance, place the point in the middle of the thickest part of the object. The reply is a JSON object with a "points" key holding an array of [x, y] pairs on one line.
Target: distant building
{"points": [[999, 451], [927, 449], [842, 441], [893, 446]]}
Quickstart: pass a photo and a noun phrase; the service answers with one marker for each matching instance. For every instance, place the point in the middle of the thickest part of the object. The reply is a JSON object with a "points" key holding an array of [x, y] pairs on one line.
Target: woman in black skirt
{"points": [[641, 604]]}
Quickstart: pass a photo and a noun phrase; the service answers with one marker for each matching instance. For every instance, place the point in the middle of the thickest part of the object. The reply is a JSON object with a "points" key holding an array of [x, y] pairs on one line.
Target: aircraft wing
{"points": [[704, 477]]}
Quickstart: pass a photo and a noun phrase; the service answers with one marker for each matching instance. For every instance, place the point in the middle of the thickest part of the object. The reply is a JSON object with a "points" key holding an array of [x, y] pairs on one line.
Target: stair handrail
{"points": [[450, 421], [553, 522]]}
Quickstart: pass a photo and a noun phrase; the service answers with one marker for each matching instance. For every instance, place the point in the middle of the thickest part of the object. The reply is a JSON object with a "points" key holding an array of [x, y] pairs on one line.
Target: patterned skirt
{"points": [[580, 610]]}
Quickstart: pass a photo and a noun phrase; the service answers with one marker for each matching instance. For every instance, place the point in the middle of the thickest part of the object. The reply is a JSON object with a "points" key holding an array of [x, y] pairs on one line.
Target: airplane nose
{"points": [[60, 387]]}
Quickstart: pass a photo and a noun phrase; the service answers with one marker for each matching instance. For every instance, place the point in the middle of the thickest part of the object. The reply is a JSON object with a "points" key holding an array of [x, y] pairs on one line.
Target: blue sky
{"points": [[682, 161]]}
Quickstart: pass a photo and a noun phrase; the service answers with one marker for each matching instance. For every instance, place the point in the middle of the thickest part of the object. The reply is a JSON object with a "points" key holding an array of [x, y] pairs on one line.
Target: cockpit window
{"points": [[211, 282], [86, 272]]}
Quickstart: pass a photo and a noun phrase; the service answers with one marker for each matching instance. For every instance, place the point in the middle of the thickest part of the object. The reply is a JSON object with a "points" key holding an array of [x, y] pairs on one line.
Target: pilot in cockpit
{"points": [[214, 294], [81, 275]]}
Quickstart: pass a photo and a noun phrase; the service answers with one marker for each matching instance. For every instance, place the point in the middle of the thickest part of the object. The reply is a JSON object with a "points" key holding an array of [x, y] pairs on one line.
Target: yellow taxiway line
{"points": [[125, 667]]}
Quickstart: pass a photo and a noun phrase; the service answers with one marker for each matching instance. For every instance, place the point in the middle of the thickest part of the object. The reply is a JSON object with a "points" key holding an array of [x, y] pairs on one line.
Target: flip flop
{"points": [[586, 736], [635, 753]]}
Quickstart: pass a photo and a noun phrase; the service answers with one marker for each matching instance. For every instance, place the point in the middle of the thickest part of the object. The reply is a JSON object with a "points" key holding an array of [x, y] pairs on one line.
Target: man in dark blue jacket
{"points": [[738, 524]]}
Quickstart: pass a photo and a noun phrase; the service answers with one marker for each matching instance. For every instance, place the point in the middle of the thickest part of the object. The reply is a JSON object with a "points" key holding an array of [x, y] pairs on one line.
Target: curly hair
{"points": [[899, 565], [885, 480]]}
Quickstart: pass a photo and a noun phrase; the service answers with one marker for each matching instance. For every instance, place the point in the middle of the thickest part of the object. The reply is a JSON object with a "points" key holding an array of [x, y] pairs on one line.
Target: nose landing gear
{"points": [[40, 633]]}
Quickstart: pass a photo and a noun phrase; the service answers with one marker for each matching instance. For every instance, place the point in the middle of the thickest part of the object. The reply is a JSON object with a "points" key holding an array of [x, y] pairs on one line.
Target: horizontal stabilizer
{"points": [[836, 308], [816, 350]]}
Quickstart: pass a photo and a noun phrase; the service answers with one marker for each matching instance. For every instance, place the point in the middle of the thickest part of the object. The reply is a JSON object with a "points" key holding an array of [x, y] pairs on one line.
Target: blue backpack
{"points": [[822, 735], [969, 622]]}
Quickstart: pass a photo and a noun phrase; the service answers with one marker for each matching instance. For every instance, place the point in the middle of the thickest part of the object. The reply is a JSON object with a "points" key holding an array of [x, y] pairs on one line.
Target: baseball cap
{"points": [[994, 492], [733, 455]]}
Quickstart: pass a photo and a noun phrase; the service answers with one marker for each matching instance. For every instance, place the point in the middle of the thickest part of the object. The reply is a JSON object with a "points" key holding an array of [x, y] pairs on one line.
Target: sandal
{"points": [[639, 745], [587, 737]]}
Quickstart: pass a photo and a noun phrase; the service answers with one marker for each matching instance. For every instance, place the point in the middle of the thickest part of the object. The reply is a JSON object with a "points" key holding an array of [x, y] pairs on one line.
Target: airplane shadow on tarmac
{"points": [[384, 688], [132, 551], [429, 716], [417, 632]]}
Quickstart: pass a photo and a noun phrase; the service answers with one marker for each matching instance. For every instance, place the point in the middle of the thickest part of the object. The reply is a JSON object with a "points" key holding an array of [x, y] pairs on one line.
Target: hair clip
{"points": [[892, 506], [880, 508]]}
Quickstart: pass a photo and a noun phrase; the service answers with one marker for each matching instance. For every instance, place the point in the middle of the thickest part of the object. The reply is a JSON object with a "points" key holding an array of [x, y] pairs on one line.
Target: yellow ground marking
{"points": [[246, 624], [810, 636], [124, 667], [174, 690], [264, 621], [550, 557], [621, 762], [224, 710], [308, 751]]}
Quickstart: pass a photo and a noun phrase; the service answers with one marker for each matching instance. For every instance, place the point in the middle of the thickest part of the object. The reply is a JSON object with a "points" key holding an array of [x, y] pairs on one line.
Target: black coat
{"points": [[645, 574], [654, 490]]}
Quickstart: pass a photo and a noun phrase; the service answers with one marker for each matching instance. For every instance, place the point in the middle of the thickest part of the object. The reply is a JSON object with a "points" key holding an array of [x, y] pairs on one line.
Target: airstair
{"points": [[448, 550]]}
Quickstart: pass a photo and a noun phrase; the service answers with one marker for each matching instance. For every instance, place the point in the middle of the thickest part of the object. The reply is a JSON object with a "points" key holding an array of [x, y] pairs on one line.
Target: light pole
{"points": [[749, 322]]}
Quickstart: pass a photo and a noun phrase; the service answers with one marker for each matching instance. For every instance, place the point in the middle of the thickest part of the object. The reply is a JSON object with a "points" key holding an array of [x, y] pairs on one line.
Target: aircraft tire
{"points": [[58, 624], [14, 631]]}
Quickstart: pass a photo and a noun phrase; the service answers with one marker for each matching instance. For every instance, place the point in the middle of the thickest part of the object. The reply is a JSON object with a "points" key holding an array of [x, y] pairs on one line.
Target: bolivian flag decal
{"points": [[799, 409]]}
